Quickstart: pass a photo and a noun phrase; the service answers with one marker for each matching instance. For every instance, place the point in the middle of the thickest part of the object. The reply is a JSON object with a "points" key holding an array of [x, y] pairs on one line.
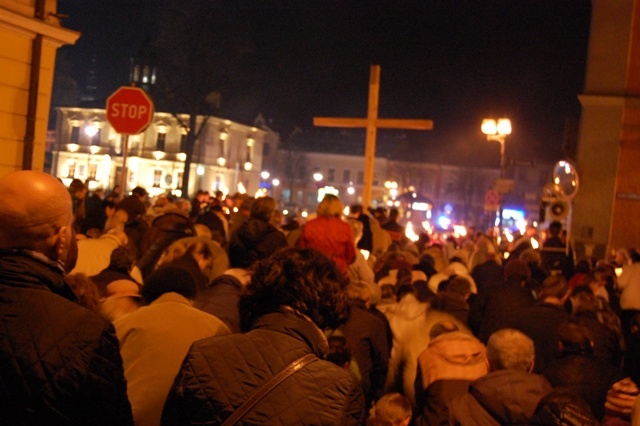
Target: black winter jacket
{"points": [[220, 373], [59, 362]]}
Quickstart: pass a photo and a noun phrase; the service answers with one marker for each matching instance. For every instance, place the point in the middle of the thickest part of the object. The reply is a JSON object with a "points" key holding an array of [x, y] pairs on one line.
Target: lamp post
{"points": [[497, 130]]}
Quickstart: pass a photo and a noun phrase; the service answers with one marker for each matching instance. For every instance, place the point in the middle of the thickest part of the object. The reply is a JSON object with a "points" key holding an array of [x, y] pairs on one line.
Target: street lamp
{"points": [[498, 131]]}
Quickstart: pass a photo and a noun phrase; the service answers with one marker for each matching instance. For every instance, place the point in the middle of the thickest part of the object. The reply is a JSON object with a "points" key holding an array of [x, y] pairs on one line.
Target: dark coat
{"points": [[586, 376], [606, 345], [540, 322], [503, 397], [59, 362], [495, 308], [220, 373], [487, 275], [255, 239], [220, 299], [367, 337]]}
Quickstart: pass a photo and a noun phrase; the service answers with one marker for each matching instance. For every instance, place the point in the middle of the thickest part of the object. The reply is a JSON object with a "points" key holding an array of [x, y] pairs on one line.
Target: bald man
{"points": [[59, 362]]}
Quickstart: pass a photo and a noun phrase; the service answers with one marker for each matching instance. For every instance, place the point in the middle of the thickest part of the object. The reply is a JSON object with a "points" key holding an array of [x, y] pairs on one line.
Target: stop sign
{"points": [[129, 110]]}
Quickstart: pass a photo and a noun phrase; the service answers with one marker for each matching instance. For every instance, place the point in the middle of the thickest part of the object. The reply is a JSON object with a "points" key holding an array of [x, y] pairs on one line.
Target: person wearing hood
{"points": [[256, 238], [451, 361], [409, 319], [510, 392]]}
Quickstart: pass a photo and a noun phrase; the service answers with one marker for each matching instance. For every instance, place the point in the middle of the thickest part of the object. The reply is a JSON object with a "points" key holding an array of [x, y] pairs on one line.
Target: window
{"points": [[346, 176], [75, 134], [266, 149], [157, 176], [160, 141], [93, 170], [183, 142], [72, 169], [331, 175], [360, 178]]}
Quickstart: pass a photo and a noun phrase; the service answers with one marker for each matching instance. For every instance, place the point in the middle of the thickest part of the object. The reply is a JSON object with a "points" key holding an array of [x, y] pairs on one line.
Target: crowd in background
{"points": [[210, 297]]}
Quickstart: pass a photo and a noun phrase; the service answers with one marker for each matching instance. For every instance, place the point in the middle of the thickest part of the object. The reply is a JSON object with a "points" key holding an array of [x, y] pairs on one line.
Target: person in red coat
{"points": [[330, 234]]}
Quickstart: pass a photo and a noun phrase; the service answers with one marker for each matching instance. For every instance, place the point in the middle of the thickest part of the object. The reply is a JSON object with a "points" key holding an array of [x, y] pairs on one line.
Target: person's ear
{"points": [[62, 243], [486, 361]]}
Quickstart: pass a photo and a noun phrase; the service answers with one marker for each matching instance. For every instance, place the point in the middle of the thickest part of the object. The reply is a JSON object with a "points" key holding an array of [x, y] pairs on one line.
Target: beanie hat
{"points": [[169, 278]]}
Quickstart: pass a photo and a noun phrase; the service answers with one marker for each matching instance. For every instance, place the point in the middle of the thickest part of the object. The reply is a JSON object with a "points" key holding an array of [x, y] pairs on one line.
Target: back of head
{"points": [[121, 259], [359, 290], [531, 256], [303, 279], [263, 208], [330, 206], [196, 248], [169, 278], [555, 228], [442, 327], [355, 208], [563, 407], [553, 286], [392, 409], [459, 285], [509, 349], [34, 207], [575, 337], [584, 302], [517, 271]]}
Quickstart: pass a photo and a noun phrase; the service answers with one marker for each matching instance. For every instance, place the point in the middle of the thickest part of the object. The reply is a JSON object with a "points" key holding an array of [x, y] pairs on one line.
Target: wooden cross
{"points": [[372, 123]]}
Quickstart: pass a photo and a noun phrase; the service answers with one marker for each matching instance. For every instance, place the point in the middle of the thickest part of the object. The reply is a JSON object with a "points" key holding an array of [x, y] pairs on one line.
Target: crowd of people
{"points": [[121, 309]]}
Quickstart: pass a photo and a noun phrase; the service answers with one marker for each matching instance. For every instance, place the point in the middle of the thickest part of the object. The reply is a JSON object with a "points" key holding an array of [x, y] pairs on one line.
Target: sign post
{"points": [[129, 111]]}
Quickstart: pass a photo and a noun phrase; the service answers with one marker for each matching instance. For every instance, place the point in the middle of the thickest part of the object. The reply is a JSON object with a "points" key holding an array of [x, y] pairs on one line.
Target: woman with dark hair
{"points": [[292, 296]]}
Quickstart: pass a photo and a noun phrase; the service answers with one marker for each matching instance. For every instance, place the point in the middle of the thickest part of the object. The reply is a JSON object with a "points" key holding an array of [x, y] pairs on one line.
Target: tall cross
{"points": [[372, 123]]}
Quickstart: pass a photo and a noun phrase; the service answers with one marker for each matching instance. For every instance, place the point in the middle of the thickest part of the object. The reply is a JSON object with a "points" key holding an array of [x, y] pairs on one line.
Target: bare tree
{"points": [[198, 59]]}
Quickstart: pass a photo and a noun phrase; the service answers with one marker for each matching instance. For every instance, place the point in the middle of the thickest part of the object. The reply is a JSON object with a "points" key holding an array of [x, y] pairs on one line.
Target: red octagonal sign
{"points": [[129, 110]]}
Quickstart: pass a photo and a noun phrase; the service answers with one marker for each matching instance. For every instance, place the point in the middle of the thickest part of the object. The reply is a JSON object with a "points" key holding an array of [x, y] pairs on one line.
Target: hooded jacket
{"points": [[220, 373], [255, 239], [453, 355], [502, 397], [59, 362]]}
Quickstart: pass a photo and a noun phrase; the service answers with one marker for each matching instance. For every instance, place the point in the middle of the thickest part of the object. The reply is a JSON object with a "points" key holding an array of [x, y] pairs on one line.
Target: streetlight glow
{"points": [[317, 176], [265, 175]]}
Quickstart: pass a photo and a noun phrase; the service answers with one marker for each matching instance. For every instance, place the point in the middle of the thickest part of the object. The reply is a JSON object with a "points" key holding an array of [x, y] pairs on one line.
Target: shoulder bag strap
{"points": [[267, 387]]}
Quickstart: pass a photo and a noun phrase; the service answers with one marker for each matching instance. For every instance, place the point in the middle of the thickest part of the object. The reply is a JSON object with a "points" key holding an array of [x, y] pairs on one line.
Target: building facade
{"points": [[227, 155], [30, 34]]}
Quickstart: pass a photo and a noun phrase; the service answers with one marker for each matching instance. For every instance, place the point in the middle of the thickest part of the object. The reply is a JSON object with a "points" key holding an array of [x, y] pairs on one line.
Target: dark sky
{"points": [[451, 61]]}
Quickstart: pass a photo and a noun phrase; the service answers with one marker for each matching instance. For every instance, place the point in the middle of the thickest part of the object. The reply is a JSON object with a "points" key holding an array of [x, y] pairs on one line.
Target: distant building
{"points": [[227, 155]]}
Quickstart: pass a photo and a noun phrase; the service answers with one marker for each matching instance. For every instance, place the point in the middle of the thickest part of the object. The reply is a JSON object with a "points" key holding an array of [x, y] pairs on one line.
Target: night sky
{"points": [[452, 61]]}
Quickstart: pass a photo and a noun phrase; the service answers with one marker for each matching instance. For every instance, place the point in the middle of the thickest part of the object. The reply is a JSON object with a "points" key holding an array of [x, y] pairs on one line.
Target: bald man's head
{"points": [[35, 214]]}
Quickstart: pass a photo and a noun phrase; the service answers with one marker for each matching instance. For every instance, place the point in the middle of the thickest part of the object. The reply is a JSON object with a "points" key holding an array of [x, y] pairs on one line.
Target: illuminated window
{"points": [[157, 176], [93, 170], [72, 169]]}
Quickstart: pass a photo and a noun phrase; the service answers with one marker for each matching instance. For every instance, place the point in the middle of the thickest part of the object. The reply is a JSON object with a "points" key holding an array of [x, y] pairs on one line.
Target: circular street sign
{"points": [[129, 110], [492, 197]]}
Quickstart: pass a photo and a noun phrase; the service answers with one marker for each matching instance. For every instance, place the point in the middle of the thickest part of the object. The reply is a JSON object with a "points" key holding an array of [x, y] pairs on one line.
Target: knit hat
{"points": [[169, 278]]}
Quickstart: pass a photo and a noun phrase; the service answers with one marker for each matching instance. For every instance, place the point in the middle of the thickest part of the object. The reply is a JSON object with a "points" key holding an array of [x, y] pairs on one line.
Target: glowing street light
{"points": [[497, 130], [265, 175], [317, 176]]}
